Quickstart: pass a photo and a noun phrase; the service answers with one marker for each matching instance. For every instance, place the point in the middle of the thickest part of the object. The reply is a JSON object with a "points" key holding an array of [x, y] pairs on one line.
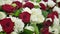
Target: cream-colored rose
{"points": [[37, 16]]}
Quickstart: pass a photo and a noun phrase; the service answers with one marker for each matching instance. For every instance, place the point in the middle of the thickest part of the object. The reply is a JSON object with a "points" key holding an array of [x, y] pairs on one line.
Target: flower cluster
{"points": [[30, 17]]}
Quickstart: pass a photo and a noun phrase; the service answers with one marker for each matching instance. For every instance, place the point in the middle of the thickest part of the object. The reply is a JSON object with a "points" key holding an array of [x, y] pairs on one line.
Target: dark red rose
{"points": [[19, 4], [7, 25], [51, 15], [25, 16], [43, 7], [45, 30], [47, 23], [58, 4], [45, 0], [8, 8], [29, 5], [55, 13]]}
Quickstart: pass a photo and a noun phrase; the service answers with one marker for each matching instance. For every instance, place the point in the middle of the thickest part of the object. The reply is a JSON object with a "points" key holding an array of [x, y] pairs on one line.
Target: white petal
{"points": [[2, 15], [14, 32], [27, 10], [56, 9], [1, 28], [51, 3]]}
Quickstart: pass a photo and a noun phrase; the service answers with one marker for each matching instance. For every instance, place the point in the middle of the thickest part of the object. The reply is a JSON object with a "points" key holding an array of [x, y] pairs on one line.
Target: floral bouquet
{"points": [[29, 16]]}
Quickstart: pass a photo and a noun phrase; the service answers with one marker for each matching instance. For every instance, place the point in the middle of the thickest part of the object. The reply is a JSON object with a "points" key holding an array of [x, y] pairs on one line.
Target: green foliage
{"points": [[38, 1], [17, 12], [2, 32], [27, 32], [45, 13]]}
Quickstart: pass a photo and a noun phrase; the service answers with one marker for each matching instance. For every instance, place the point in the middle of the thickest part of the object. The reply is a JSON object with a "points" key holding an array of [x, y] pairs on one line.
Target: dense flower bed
{"points": [[29, 17]]}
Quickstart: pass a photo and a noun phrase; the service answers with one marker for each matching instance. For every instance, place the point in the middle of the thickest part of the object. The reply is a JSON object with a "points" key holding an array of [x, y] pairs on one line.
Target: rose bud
{"points": [[29, 5], [18, 4], [25, 16], [43, 5], [8, 8]]}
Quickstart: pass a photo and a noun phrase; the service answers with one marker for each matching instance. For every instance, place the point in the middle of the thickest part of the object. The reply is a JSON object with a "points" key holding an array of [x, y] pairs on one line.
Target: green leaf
{"points": [[2, 32], [36, 6], [16, 13], [27, 32], [32, 0], [45, 13], [38, 1]]}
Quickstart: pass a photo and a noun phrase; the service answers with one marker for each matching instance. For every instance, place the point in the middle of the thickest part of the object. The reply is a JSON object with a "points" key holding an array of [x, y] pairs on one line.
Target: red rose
{"points": [[25, 16], [47, 23], [29, 5], [52, 15], [45, 30], [55, 13], [7, 25], [19, 4], [45, 0], [8, 8], [43, 7]]}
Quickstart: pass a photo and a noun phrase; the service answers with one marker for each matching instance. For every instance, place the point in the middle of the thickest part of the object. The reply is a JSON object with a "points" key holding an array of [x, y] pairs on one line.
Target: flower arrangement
{"points": [[29, 17]]}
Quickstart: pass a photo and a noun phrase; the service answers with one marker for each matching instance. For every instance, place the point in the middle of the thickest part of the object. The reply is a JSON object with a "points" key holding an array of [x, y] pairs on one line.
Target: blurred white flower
{"points": [[19, 25], [53, 30], [1, 28], [27, 10], [31, 28], [18, 0], [2, 2], [57, 0], [56, 9], [37, 16], [51, 3], [2, 15], [56, 22], [13, 32]]}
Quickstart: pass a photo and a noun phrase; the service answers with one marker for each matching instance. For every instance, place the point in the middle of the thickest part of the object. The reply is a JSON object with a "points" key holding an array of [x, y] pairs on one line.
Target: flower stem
{"points": [[36, 28]]}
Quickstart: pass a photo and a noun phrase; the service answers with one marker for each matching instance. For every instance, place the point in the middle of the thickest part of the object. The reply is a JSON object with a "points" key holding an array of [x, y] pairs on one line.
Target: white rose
{"points": [[37, 16], [19, 25], [51, 3], [56, 9], [2, 15], [31, 28], [27, 10], [53, 30], [1, 28]]}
